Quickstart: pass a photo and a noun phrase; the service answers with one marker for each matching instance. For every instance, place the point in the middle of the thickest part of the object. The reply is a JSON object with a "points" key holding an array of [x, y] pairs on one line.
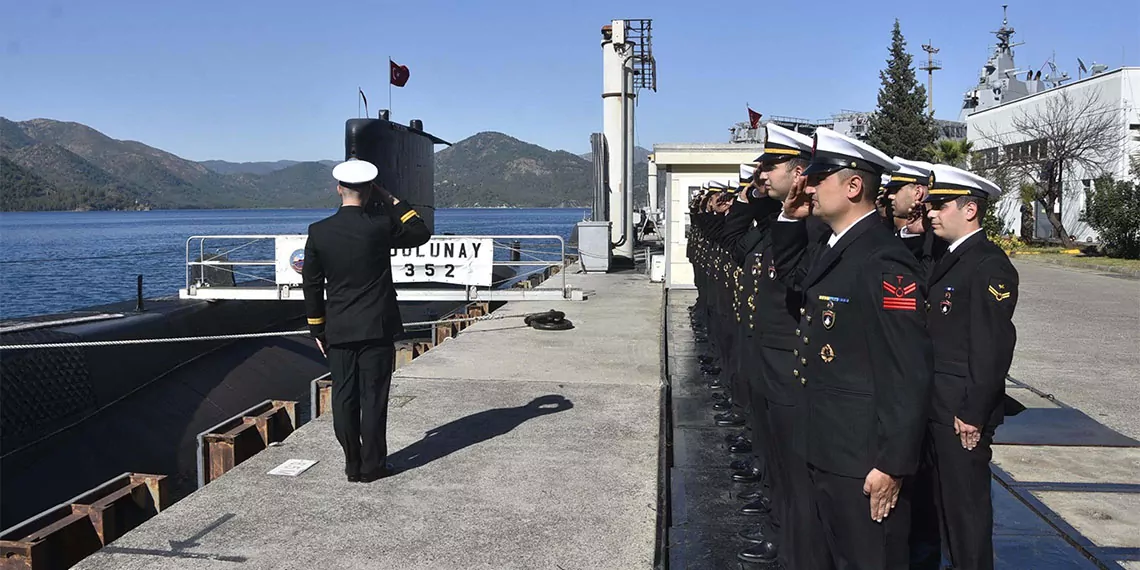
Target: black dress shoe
{"points": [[758, 507], [741, 465], [731, 420], [353, 477], [386, 471], [720, 396], [754, 534], [722, 405], [726, 416], [711, 370], [716, 384], [732, 437], [742, 447], [750, 495], [747, 476], [705, 359], [763, 553]]}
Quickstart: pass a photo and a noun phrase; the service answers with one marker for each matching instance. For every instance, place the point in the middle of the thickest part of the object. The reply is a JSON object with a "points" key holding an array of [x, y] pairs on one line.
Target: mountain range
{"points": [[55, 165]]}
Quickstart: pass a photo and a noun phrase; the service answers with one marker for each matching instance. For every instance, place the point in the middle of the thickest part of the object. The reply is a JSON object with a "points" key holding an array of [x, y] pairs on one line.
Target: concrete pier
{"points": [[517, 448], [520, 448]]}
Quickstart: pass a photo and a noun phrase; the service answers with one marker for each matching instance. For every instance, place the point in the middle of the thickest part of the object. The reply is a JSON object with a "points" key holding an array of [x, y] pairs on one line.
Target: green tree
{"points": [[955, 152], [899, 126], [1113, 210]]}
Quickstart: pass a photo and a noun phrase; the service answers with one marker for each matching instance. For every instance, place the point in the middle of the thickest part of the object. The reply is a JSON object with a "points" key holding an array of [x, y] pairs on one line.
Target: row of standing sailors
{"points": [[864, 354]]}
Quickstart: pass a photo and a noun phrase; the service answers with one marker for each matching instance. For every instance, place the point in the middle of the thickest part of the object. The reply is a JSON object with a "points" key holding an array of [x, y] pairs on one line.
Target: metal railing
{"points": [[527, 255]]}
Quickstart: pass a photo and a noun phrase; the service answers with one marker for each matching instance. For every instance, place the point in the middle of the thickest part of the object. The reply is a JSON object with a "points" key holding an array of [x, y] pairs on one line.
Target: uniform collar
{"points": [[835, 237], [961, 240]]}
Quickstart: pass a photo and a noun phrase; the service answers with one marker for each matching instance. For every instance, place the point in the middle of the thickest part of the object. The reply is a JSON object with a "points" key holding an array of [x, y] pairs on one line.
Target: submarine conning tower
{"points": [[404, 155]]}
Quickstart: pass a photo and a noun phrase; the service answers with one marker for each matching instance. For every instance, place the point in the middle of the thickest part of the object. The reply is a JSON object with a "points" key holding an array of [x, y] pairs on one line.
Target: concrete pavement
{"points": [[518, 448]]}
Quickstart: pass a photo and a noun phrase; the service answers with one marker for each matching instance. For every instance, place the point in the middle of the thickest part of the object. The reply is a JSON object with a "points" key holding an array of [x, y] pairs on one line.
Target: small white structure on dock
{"points": [[681, 170]]}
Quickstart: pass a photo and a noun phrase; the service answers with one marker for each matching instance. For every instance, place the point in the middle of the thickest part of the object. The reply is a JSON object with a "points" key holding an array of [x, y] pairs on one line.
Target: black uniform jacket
{"points": [[778, 307], [737, 223], [927, 247], [351, 249], [973, 292], [863, 352]]}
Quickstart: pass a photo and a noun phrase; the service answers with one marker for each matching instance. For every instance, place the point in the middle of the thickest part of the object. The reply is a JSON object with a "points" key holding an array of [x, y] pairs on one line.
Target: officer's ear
{"points": [[854, 184]]}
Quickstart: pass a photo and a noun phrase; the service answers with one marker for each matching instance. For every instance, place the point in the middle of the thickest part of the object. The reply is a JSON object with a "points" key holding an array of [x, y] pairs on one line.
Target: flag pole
{"points": [[389, 85]]}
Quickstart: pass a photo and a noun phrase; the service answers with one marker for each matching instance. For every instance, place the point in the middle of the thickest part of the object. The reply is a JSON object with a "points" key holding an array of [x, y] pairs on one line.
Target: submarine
{"points": [[72, 418]]}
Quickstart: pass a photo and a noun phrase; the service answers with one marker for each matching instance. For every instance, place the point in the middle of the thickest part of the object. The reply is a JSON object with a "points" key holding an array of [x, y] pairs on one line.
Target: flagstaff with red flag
{"points": [[753, 117], [398, 76]]}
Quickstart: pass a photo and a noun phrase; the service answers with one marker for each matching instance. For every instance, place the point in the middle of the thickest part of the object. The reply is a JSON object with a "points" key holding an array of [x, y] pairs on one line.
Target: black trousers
{"points": [[952, 505], [741, 389], [794, 517], [853, 540], [362, 378], [758, 420]]}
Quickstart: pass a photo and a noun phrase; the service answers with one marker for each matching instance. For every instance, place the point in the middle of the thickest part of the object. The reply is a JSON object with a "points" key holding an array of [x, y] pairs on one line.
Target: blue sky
{"points": [[251, 80]]}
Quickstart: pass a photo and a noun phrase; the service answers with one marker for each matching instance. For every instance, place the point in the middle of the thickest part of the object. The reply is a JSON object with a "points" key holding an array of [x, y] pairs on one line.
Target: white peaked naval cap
{"points": [[833, 151], [910, 172], [355, 171], [781, 143], [746, 172], [951, 182]]}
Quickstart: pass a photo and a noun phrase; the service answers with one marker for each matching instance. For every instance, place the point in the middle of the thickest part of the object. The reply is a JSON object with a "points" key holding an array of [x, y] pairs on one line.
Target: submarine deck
{"points": [[517, 448]]}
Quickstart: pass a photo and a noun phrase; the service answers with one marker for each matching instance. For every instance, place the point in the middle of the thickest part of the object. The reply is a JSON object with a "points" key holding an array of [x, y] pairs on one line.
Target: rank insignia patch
{"points": [[899, 293], [828, 319], [998, 290], [827, 353]]}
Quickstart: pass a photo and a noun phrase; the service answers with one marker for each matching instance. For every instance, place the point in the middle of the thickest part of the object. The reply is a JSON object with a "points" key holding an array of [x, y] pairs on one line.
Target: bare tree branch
{"points": [[1047, 143]]}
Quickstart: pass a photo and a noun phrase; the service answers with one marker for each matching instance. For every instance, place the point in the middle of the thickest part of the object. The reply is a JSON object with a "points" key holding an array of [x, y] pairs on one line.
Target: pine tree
{"points": [[900, 126]]}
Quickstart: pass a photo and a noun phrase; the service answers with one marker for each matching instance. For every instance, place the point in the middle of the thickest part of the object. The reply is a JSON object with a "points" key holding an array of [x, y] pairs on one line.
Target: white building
{"points": [[994, 136], [681, 170]]}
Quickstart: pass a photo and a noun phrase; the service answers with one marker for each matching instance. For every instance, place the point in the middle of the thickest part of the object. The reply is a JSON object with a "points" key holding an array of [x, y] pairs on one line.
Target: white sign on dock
{"points": [[445, 259], [293, 467]]}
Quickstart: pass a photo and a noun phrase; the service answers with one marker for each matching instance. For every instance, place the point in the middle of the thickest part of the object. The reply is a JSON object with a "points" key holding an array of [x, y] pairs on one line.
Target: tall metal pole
{"points": [[931, 65]]}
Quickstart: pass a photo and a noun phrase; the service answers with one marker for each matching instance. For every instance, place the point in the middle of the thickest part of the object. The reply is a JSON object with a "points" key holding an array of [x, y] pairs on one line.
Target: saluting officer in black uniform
{"points": [[907, 188], [866, 363], [786, 156], [973, 293], [347, 255]]}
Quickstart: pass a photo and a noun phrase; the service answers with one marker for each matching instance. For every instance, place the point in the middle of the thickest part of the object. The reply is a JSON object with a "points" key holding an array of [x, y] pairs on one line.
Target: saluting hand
{"points": [[970, 435], [797, 205], [884, 493]]}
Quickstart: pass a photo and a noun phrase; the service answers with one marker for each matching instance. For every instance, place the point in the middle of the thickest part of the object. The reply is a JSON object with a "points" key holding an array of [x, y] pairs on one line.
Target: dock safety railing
{"points": [[447, 268]]}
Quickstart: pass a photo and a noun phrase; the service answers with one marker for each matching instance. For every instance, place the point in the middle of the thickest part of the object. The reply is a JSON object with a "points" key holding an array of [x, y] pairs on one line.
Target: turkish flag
{"points": [[754, 118], [399, 73]]}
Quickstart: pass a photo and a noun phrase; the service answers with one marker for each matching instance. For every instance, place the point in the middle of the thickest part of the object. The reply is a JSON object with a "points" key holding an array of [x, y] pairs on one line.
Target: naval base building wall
{"points": [[995, 138], [682, 169]]}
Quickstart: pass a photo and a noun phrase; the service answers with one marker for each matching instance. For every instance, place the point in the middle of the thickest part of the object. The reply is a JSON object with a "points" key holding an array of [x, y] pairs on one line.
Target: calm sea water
{"points": [[59, 261]]}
